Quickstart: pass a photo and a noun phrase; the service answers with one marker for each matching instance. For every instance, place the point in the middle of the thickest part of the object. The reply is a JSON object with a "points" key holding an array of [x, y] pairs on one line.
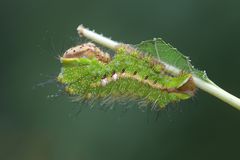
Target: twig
{"points": [[208, 87]]}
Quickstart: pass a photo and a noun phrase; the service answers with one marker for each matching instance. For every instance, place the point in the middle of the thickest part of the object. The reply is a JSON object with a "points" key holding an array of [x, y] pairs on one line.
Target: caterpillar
{"points": [[90, 73]]}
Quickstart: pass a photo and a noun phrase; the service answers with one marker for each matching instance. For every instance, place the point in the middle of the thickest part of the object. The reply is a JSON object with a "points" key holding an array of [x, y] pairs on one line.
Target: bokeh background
{"points": [[37, 124]]}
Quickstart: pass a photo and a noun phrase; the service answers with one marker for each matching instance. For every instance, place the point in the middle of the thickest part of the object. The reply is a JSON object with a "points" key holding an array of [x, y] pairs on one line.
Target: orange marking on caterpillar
{"points": [[189, 87]]}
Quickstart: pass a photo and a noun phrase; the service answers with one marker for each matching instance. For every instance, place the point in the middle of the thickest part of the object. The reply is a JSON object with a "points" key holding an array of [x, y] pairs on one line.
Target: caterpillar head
{"points": [[87, 50]]}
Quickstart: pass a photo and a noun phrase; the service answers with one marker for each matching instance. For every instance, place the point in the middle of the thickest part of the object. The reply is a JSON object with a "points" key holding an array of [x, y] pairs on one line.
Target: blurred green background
{"points": [[37, 126]]}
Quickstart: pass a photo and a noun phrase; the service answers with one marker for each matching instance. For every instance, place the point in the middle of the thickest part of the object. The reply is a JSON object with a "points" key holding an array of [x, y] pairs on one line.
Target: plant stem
{"points": [[208, 87], [217, 92]]}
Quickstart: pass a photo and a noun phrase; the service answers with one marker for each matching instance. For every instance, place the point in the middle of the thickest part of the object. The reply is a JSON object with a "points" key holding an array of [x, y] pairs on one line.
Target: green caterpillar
{"points": [[91, 74]]}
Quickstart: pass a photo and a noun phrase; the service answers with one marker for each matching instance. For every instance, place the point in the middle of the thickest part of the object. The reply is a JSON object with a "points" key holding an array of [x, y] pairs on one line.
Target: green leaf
{"points": [[168, 54]]}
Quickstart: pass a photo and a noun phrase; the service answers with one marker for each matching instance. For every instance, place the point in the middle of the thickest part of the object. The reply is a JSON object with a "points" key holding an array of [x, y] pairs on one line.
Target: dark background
{"points": [[37, 124]]}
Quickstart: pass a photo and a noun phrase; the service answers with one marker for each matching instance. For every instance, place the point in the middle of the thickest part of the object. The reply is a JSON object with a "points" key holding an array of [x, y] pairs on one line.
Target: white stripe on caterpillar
{"points": [[115, 76], [104, 82]]}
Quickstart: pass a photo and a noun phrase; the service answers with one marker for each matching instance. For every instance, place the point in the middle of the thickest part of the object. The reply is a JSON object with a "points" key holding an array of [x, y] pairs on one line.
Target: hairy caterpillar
{"points": [[92, 74]]}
